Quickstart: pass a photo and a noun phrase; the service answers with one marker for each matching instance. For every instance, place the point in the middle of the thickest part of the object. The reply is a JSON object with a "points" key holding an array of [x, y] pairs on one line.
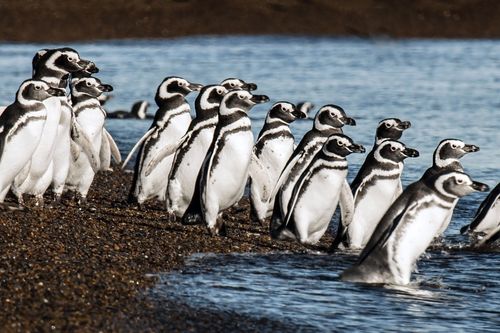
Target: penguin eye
{"points": [[37, 87], [454, 146], [460, 181], [393, 148], [88, 83], [232, 85], [283, 108], [340, 143], [219, 91], [333, 115], [388, 125], [181, 84], [241, 96], [70, 59]]}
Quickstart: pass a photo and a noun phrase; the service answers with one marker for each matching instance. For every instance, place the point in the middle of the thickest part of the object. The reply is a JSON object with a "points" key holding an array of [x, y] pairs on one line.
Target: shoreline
{"points": [[70, 268], [57, 21]]}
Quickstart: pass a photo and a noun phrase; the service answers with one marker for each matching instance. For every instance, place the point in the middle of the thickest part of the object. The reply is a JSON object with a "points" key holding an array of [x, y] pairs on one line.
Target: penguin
{"points": [[170, 123], [274, 146], [329, 120], [193, 148], [375, 188], [487, 219], [109, 149], [446, 156], [90, 116], [305, 107], [408, 227], [54, 66], [223, 175], [317, 191], [236, 84], [21, 127], [389, 128], [139, 111]]}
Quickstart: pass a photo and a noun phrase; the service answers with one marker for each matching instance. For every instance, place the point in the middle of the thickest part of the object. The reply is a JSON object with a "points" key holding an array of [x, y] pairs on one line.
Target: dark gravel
{"points": [[89, 269]]}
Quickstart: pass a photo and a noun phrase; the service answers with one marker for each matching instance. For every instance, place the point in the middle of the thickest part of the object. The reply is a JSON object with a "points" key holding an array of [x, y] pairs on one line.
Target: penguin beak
{"points": [[409, 152], [91, 68], [249, 86], [83, 64], [55, 92], [258, 99], [349, 121], [470, 148], [477, 186], [105, 87], [299, 114], [355, 148], [195, 86], [404, 125]]}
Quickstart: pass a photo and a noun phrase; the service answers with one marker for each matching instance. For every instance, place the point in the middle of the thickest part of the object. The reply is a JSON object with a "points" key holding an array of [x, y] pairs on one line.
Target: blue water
{"points": [[445, 88]]}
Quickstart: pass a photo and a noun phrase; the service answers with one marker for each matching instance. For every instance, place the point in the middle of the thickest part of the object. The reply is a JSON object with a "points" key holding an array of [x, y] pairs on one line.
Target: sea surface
{"points": [[447, 89]]}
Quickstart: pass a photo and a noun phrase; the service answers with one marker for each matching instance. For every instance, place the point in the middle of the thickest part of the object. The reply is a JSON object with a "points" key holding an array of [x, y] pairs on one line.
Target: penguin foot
{"points": [[57, 200], [219, 229], [7, 207], [39, 202], [191, 219], [82, 201]]}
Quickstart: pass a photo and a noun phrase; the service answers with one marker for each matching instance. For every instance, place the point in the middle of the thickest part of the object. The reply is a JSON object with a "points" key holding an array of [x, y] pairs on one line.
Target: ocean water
{"points": [[447, 89]]}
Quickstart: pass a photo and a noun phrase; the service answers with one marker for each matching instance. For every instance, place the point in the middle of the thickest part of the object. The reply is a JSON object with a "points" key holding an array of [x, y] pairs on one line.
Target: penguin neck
{"points": [[326, 131], [439, 190], [33, 105], [231, 117], [55, 79], [204, 114], [447, 163], [170, 107], [84, 99], [171, 102], [332, 157]]}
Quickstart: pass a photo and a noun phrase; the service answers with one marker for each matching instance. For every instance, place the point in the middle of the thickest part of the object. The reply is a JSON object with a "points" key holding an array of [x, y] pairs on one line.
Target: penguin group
{"points": [[53, 135]]}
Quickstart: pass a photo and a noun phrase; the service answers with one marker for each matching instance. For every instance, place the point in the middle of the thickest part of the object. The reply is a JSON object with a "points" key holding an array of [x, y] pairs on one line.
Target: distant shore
{"points": [[86, 269], [64, 21]]}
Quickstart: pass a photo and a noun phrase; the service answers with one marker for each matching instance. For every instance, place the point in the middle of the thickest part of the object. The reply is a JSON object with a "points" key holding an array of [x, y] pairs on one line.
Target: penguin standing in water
{"points": [[328, 121], [139, 111], [90, 116], [223, 175], [487, 219], [171, 122], [375, 188], [21, 127], [272, 150], [408, 227], [309, 214]]}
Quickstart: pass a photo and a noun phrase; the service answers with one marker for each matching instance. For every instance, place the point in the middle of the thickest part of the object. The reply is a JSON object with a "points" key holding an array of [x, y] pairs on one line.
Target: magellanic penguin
{"points": [[21, 127], [191, 152], [235, 84], [408, 227], [90, 116], [223, 175], [274, 146], [54, 66], [139, 111], [171, 122], [375, 188], [317, 191], [446, 156], [329, 120], [487, 219], [389, 128]]}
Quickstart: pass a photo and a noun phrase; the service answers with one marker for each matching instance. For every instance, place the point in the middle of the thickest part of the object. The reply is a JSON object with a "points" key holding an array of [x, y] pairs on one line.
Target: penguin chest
{"points": [[413, 235], [316, 203], [374, 201], [228, 175], [275, 154], [91, 121]]}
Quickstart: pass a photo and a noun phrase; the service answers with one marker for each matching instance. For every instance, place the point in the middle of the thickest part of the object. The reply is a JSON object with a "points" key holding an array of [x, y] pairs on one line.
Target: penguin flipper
{"points": [[137, 145], [193, 214], [398, 191], [75, 150], [296, 191], [115, 152], [284, 175], [79, 136], [258, 172], [346, 203], [164, 152]]}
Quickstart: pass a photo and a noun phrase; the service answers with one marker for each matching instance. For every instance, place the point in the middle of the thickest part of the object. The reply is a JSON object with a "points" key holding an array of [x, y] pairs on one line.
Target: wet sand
{"points": [[62, 21], [72, 268]]}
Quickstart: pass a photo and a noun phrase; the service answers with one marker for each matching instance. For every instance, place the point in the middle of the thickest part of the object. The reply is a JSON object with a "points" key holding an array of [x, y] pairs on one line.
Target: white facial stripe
{"points": [[384, 143], [22, 88], [205, 104], [321, 127], [50, 63], [439, 184], [445, 162]]}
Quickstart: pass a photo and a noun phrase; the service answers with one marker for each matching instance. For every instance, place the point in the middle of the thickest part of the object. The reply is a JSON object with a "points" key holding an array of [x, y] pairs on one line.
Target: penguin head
{"points": [[450, 150], [234, 84], [174, 86], [139, 109], [284, 111], [305, 108], [457, 184], [332, 116], [90, 86], [391, 128], [33, 91], [341, 145], [393, 151], [240, 101], [36, 58], [209, 98], [63, 60]]}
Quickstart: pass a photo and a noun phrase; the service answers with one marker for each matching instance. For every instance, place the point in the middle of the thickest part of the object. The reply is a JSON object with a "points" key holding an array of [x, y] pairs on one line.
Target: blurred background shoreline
{"points": [[57, 21]]}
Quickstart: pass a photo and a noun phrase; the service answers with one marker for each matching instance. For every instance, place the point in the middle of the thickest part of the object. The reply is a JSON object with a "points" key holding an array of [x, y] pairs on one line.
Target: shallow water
{"points": [[445, 88]]}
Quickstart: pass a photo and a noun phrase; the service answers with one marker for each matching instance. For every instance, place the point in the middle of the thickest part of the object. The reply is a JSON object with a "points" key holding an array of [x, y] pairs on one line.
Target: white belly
{"points": [[491, 221], [369, 210], [316, 205], [61, 157]]}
